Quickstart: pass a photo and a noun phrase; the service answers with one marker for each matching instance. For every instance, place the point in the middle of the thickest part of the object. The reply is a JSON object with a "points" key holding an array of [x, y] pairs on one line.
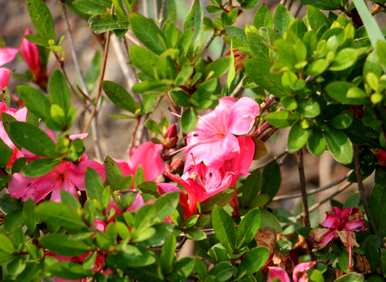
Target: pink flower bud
{"points": [[172, 131], [381, 156], [31, 56]]}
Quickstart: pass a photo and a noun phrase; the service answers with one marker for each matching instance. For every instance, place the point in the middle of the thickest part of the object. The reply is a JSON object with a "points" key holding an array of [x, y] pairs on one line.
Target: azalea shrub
{"points": [[196, 197]]}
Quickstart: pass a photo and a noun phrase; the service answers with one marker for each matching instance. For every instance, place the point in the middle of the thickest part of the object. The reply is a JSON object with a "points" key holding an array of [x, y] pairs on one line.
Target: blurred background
{"points": [[114, 135]]}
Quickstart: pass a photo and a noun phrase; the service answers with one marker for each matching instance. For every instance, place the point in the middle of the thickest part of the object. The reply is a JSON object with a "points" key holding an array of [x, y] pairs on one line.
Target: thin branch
{"points": [[122, 61], [134, 134], [310, 192], [302, 179], [275, 158], [325, 200], [100, 83], [299, 8], [72, 48]]}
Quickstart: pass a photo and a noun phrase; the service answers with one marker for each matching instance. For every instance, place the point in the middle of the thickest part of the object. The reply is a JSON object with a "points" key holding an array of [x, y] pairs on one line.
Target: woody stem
{"points": [[302, 179]]}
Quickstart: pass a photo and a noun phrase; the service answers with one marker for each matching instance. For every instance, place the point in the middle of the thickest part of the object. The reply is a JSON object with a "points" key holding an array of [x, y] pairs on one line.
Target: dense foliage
{"points": [[190, 180]]}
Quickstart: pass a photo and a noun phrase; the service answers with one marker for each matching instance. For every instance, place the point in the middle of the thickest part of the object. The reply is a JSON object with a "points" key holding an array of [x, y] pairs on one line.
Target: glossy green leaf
{"points": [[297, 138], [32, 138], [64, 245], [339, 145], [253, 261], [188, 120], [148, 33], [346, 93], [41, 18], [119, 96], [168, 257], [40, 167], [248, 227], [224, 228], [316, 142], [35, 100], [58, 91]]}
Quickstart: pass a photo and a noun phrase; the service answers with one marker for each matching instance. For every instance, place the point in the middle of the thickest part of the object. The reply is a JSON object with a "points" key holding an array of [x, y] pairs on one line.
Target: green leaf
{"points": [[253, 261], [248, 227], [148, 33], [32, 138], [6, 245], [381, 52], [166, 205], [224, 228], [309, 108], [188, 120], [346, 93], [94, 186], [92, 7], [268, 220], [342, 121], [232, 69], [324, 4], [39, 167], [41, 18], [263, 17], [278, 119], [223, 271], [374, 32], [167, 256], [119, 96], [58, 214], [35, 100], [345, 59], [281, 19], [194, 19], [316, 18], [318, 67], [114, 175], [107, 22], [145, 60], [184, 74], [271, 179], [316, 142], [130, 257], [351, 277], [64, 245], [297, 138], [5, 153], [376, 202], [339, 145], [59, 91]]}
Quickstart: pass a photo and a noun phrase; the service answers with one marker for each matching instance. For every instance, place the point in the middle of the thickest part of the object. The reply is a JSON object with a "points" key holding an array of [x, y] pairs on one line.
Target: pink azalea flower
{"points": [[148, 157], [5, 74], [30, 53], [299, 273], [277, 273], [7, 55], [215, 138], [66, 176], [341, 219], [341, 223]]}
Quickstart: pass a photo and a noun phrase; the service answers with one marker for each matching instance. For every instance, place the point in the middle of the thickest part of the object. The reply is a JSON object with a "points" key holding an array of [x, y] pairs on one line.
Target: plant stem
{"points": [[311, 192], [302, 179], [100, 83]]}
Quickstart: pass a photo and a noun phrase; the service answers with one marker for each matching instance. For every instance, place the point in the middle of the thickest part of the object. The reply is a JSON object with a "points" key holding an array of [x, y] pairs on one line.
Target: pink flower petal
{"points": [[5, 75], [277, 273], [137, 203], [7, 55], [148, 157], [76, 136], [243, 116], [327, 238], [30, 53], [300, 271], [355, 225]]}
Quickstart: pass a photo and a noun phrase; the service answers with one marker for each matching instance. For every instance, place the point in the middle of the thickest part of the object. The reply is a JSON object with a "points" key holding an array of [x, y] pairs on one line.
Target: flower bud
{"points": [[171, 137], [376, 98], [30, 53]]}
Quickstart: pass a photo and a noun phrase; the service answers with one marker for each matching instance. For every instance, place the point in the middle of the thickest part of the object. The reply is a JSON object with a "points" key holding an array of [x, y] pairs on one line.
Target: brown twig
{"points": [[302, 179], [100, 83], [311, 192]]}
